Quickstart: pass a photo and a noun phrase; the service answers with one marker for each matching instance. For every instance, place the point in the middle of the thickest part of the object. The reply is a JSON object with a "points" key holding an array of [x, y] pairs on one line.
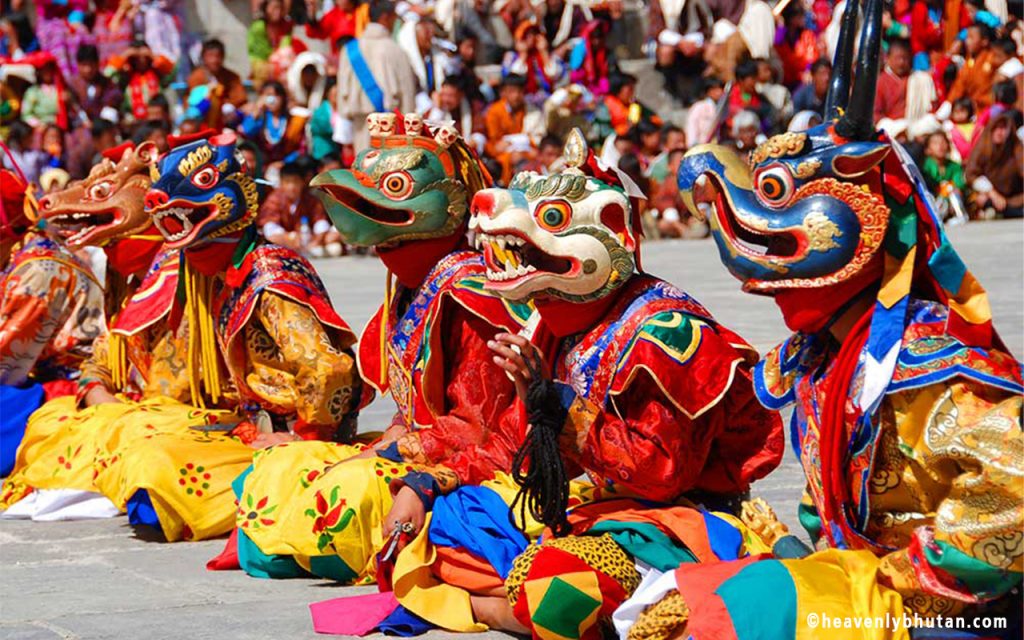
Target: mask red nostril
{"points": [[45, 204], [155, 199], [483, 204]]}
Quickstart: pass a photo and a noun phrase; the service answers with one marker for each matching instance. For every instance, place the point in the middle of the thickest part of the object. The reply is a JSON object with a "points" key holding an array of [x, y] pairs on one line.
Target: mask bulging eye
{"points": [[775, 185], [205, 177], [396, 185], [100, 191], [553, 216]]}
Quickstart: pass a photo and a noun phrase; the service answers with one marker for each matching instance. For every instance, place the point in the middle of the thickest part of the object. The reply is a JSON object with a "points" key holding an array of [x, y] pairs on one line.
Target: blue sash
{"points": [[16, 405], [364, 75]]}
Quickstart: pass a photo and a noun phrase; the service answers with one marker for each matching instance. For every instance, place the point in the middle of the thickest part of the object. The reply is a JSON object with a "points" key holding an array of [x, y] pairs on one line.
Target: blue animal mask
{"points": [[200, 192], [807, 209]]}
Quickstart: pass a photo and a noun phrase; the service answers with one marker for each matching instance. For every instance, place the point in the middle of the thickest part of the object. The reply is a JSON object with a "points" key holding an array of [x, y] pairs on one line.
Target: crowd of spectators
{"points": [[78, 77]]}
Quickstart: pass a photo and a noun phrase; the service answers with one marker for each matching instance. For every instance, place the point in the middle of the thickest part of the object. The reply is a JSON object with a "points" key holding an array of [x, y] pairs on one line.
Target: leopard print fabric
{"points": [[601, 553], [662, 620]]}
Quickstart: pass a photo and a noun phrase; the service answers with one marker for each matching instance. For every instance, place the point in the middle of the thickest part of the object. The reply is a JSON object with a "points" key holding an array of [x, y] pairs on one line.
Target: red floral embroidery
{"points": [[330, 517], [65, 460], [254, 514]]}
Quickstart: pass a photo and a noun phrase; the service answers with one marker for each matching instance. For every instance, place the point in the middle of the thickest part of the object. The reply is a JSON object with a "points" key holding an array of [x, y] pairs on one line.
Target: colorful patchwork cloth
{"points": [[564, 588]]}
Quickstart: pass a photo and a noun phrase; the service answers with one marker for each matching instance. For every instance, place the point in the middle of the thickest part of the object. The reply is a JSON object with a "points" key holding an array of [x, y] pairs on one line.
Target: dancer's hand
{"points": [[520, 358], [392, 434], [407, 508], [100, 395]]}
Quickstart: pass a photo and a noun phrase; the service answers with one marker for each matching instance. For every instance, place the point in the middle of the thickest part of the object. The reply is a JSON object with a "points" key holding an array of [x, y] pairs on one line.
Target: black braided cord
{"points": [[543, 485]]}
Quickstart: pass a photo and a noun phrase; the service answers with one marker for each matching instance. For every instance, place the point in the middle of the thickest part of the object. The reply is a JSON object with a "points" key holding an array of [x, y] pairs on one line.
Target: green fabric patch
{"points": [[770, 585], [521, 311], [672, 331], [260, 565], [332, 567], [901, 234], [645, 542], [809, 519], [980, 577], [563, 608], [245, 246]]}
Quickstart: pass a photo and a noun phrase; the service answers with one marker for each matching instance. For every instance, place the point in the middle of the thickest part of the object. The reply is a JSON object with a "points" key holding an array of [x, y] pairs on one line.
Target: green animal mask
{"points": [[404, 187]]}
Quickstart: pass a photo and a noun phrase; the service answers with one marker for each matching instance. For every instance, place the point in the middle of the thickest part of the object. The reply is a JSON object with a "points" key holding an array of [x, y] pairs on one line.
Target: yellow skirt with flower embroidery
{"points": [[65, 448], [313, 507], [178, 475]]}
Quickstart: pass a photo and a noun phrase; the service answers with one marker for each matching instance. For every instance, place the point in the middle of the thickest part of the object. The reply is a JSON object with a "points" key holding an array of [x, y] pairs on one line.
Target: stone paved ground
{"points": [[101, 580]]}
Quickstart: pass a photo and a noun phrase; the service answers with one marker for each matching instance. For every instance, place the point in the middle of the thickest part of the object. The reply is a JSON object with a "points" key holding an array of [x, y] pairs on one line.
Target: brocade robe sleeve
{"points": [[646, 445], [297, 366], [50, 312], [478, 431]]}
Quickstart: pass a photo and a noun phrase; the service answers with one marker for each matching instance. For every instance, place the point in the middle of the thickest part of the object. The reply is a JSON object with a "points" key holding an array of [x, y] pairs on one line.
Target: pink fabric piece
{"points": [[353, 615]]}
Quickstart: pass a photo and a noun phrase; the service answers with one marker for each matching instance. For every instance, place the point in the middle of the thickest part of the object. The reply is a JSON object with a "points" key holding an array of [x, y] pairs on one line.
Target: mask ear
{"points": [[856, 159], [146, 153], [615, 217], [225, 149]]}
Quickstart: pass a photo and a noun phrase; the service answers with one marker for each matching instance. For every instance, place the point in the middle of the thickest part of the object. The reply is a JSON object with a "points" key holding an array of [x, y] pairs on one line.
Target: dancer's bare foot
{"points": [[496, 613], [264, 440]]}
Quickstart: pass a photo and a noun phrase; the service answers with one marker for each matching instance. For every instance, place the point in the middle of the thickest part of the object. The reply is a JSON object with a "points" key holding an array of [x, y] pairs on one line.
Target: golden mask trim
{"points": [[195, 159], [807, 168], [780, 146], [398, 161]]}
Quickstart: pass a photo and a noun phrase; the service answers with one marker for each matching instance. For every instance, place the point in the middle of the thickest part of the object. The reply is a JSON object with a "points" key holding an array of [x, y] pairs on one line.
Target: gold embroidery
{"points": [[821, 232]]}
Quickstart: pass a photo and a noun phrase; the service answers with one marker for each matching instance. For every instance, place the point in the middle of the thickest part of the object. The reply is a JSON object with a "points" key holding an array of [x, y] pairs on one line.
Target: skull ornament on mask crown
{"points": [[413, 124], [381, 125], [446, 135]]}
